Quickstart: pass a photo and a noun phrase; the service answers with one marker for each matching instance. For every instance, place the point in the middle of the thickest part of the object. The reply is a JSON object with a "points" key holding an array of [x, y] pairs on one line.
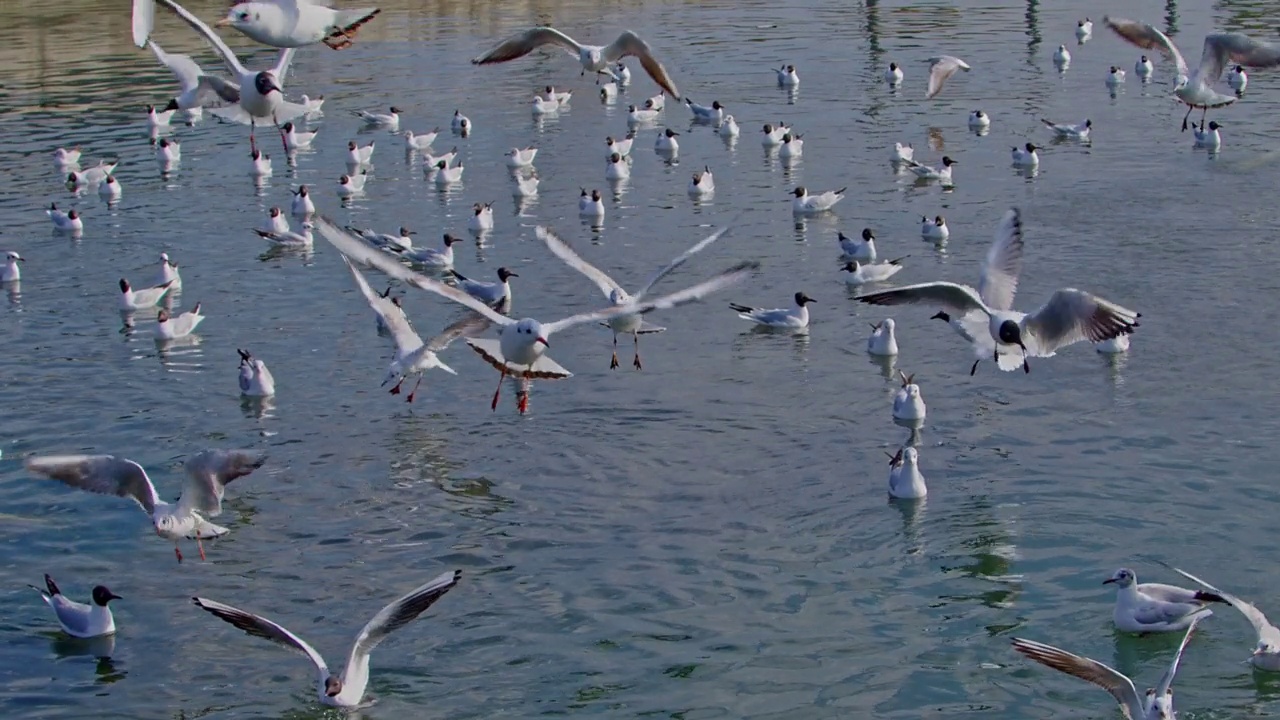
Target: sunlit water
{"points": [[706, 538]]}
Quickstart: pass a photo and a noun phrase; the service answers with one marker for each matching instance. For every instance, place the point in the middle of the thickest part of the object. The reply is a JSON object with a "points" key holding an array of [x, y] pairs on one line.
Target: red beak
{"points": [[543, 341]]}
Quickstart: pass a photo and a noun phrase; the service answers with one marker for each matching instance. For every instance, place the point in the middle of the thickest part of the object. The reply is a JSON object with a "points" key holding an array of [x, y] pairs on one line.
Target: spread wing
{"points": [[940, 69], [1267, 633], [352, 247], [522, 44], [281, 68], [679, 260], [733, 275], [228, 58], [398, 614], [208, 474], [561, 249], [102, 474], [1237, 48], [182, 66], [961, 298], [1073, 315], [261, 627], [1004, 261], [471, 324], [1107, 678], [1147, 37], [1166, 680], [628, 43], [392, 317], [144, 21]]}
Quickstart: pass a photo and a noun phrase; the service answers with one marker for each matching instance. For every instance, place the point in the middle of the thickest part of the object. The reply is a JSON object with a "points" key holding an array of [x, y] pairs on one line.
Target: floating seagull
{"points": [[860, 274], [787, 76], [608, 92], [295, 139], [389, 120], [93, 175], [312, 105], [481, 218], [666, 144], [1068, 317], [430, 256], [413, 357], [1115, 346], [461, 123], [640, 116], [703, 183], [1158, 702], [520, 347], [908, 404], [622, 74], [1084, 28], [168, 272], [659, 101], [422, 142], [64, 159], [792, 146], [77, 619], [521, 157], [351, 185], [258, 94], [560, 98], [169, 327], [905, 480], [902, 153], [1209, 138], [925, 172], [527, 187], [131, 299], [728, 128], [255, 378], [168, 153], [941, 68], [593, 58], [935, 229], [387, 241], [157, 119], [288, 238], [1068, 131], [208, 474], [773, 134], [864, 251], [1143, 68], [590, 206], [616, 168], [790, 318], [706, 114], [1266, 654], [1219, 49], [67, 222], [488, 293], [345, 690], [624, 324], [1155, 607], [109, 190], [1062, 57], [893, 75], [1115, 78], [1238, 79], [196, 89], [883, 342], [979, 120], [1025, 156], [301, 207], [805, 204], [11, 273], [359, 156], [446, 175], [297, 23], [621, 147], [431, 163], [260, 164]]}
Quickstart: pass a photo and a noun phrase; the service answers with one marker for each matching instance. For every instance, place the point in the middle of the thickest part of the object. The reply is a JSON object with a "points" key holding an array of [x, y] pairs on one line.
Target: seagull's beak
{"points": [[113, 596], [1108, 580], [543, 341], [224, 22]]}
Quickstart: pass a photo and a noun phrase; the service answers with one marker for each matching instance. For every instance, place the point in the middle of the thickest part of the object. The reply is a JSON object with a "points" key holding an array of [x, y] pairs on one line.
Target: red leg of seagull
{"points": [[524, 401], [283, 142], [613, 364], [177, 551], [395, 389], [415, 389], [253, 144], [200, 545], [502, 375], [636, 362]]}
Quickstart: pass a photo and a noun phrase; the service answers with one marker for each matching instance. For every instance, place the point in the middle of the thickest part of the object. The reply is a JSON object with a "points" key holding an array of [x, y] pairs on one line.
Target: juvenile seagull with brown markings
{"points": [[1068, 317], [594, 58], [345, 690], [1195, 89]]}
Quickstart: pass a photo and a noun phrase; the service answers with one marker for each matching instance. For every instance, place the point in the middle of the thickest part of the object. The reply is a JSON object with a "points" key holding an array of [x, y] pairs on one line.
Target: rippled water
{"points": [[709, 537]]}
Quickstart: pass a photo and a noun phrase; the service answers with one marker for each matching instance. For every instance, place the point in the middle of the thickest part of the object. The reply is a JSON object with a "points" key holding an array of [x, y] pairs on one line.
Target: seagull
{"points": [[131, 299], [359, 156], [64, 159], [907, 402], [157, 119], [1209, 138], [979, 120], [301, 207], [940, 69], [905, 480], [208, 474], [1115, 78], [593, 58], [93, 175], [666, 143], [196, 89], [386, 241], [893, 75], [862, 274], [461, 123], [1155, 607], [561, 98], [288, 238], [1025, 156], [1238, 79], [297, 23], [882, 342], [351, 185], [787, 76], [1084, 28], [792, 146], [773, 134], [488, 293], [543, 106], [902, 153], [109, 190], [1219, 49], [422, 142], [255, 378], [258, 94], [702, 183], [168, 153], [1068, 317], [1062, 57], [11, 273], [168, 272], [431, 257], [446, 175], [706, 114], [805, 204], [864, 251], [431, 163], [260, 164], [67, 222], [526, 187], [622, 147], [77, 619], [728, 128], [521, 345], [347, 689], [169, 327], [1068, 131], [1266, 654], [790, 318], [388, 120], [1143, 68], [413, 357], [1158, 702], [295, 139], [935, 229], [925, 172], [590, 206], [521, 157], [312, 105], [616, 168], [634, 325]]}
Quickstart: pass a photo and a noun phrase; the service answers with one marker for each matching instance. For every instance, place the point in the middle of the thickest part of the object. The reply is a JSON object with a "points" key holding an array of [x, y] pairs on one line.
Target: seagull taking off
{"points": [[594, 58]]}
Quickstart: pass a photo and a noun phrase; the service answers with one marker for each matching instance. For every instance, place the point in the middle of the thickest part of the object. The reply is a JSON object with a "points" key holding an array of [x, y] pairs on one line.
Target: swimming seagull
{"points": [[255, 378], [389, 120], [77, 619], [1156, 607], [863, 274], [347, 689], [12, 273], [905, 480], [908, 404], [1219, 49], [1068, 317], [634, 325], [940, 69], [1266, 654], [883, 342], [488, 293], [1156, 705], [1209, 138], [257, 94], [941, 173], [413, 356], [790, 318], [593, 58], [208, 474], [803, 203], [143, 298], [169, 327], [520, 347], [864, 251], [1069, 131]]}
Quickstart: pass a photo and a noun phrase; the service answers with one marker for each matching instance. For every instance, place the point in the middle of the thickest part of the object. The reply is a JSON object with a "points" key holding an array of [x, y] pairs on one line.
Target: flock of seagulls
{"points": [[983, 316]]}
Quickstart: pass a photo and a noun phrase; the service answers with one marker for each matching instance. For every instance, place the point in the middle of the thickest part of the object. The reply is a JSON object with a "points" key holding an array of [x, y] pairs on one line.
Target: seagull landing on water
{"points": [[1068, 317], [208, 474], [521, 345], [1157, 704], [593, 58], [345, 690], [634, 325], [1219, 49]]}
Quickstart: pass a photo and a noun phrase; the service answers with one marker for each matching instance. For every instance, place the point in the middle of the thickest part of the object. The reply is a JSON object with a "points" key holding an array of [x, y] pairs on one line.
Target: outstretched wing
{"points": [[208, 474], [259, 626], [471, 324], [1107, 678], [678, 261], [228, 58], [1147, 37], [561, 249], [628, 43], [1238, 48], [1073, 315], [144, 21], [281, 69], [940, 69], [522, 44], [102, 474], [999, 280], [398, 614], [1267, 633], [1166, 680], [392, 316], [961, 298], [182, 66]]}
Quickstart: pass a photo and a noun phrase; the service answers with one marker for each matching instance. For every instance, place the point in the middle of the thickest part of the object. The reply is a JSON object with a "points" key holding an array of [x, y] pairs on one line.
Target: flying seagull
{"points": [[594, 58]]}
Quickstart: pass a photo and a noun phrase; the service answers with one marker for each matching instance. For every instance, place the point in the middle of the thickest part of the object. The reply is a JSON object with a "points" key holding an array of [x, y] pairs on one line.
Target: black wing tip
{"points": [[1206, 596], [739, 308], [50, 585]]}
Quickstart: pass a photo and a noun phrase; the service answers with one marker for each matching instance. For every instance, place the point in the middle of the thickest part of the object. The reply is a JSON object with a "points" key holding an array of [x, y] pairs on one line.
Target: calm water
{"points": [[707, 538]]}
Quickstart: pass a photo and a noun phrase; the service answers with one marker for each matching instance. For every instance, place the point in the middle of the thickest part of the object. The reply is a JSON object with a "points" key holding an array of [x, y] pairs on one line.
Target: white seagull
{"points": [[593, 58], [1219, 50], [297, 23], [1266, 654], [196, 89], [805, 204], [131, 299], [1156, 607], [169, 327], [864, 251], [1068, 317], [288, 238], [208, 474], [908, 404], [255, 378], [1156, 705], [863, 274], [926, 172], [790, 318], [486, 292], [345, 690], [940, 69], [905, 479], [77, 619], [389, 120], [12, 273], [67, 222], [635, 324], [1068, 131]]}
